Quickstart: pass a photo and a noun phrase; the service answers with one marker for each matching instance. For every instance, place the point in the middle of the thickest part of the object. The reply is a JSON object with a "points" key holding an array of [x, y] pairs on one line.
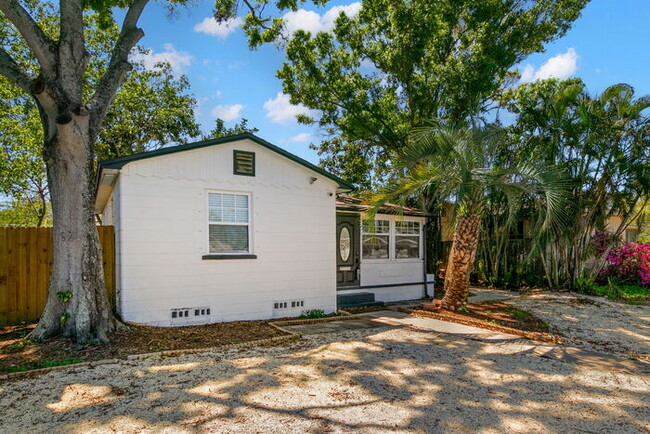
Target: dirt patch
{"points": [[594, 323], [500, 317], [503, 314], [17, 354]]}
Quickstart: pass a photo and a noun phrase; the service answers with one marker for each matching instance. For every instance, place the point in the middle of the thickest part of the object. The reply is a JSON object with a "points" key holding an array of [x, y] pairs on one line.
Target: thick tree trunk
{"points": [[461, 260], [77, 304]]}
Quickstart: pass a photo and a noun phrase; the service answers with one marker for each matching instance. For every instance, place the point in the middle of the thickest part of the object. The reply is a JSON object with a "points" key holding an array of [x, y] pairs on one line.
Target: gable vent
{"points": [[244, 163]]}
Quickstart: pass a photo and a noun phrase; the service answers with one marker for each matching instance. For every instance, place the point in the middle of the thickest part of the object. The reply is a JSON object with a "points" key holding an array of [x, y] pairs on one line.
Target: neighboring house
{"points": [[238, 229], [630, 233]]}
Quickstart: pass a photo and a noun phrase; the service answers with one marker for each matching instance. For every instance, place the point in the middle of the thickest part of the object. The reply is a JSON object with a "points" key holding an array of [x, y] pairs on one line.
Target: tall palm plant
{"points": [[603, 143], [460, 164]]}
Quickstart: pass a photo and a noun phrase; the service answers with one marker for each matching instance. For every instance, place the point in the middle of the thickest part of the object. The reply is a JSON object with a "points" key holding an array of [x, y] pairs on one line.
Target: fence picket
{"points": [[25, 263]]}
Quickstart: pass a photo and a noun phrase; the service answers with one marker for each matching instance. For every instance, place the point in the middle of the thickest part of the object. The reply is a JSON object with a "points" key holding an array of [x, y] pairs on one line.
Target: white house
{"points": [[239, 229]]}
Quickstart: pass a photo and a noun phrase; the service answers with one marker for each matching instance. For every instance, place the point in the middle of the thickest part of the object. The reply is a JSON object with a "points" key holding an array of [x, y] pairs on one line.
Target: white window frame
{"points": [[392, 234], [364, 233], [249, 224], [395, 235]]}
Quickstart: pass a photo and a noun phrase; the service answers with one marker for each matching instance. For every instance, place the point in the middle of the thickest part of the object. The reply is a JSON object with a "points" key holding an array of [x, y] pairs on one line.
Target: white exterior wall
{"points": [[163, 233]]}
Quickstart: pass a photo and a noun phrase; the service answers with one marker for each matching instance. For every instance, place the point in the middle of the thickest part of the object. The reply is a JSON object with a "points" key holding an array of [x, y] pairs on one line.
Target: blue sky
{"points": [[608, 44]]}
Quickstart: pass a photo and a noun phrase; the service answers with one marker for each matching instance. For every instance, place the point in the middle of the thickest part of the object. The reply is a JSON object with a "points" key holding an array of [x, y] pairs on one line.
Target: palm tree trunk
{"points": [[461, 260]]}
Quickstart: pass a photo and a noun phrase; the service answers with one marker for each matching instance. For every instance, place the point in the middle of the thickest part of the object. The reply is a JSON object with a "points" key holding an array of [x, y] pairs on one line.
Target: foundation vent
{"points": [[290, 304], [189, 313]]}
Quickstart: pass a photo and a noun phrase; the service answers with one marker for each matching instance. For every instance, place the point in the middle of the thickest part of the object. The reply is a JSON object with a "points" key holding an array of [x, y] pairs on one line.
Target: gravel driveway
{"points": [[371, 380], [593, 323]]}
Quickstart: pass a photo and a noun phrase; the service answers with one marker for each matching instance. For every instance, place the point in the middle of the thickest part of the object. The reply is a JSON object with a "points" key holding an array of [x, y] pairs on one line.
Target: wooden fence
{"points": [[25, 261]]}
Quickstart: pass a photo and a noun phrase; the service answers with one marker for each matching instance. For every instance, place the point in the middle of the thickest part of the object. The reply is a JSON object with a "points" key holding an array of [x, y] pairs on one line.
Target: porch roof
{"points": [[349, 203]]}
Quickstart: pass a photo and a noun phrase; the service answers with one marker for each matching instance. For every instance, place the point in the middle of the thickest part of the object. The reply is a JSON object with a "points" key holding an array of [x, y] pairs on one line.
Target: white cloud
{"points": [[281, 111], [179, 60], [528, 74], [210, 26], [561, 66], [227, 112], [331, 15], [301, 138], [313, 22]]}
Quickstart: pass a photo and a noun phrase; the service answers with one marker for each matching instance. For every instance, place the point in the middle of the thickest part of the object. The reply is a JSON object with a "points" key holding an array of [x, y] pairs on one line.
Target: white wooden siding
{"points": [[163, 235]]}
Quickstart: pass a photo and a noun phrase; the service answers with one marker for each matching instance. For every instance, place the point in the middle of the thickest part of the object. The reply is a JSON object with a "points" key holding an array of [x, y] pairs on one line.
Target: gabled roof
{"points": [[345, 202], [118, 163], [109, 169]]}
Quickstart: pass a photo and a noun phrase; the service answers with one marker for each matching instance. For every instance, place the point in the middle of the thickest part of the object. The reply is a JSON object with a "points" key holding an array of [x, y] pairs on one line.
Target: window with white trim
{"points": [[229, 223], [407, 239], [375, 239]]}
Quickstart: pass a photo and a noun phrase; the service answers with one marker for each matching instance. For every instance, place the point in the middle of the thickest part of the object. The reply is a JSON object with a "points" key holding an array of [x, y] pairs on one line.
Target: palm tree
{"points": [[460, 165]]}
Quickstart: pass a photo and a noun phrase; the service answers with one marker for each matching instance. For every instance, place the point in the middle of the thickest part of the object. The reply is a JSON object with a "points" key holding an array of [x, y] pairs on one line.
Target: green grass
{"points": [[518, 313], [626, 293], [67, 360]]}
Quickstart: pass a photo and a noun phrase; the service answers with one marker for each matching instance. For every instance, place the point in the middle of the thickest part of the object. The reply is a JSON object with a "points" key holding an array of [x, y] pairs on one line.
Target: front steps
{"points": [[360, 299]]}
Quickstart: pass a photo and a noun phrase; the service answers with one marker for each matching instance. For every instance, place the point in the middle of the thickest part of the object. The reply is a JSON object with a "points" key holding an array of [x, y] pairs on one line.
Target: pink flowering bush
{"points": [[629, 264], [602, 240]]}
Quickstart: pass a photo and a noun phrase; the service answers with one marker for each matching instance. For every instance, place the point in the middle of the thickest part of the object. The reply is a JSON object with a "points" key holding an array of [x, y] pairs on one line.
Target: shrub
{"points": [[629, 265], [312, 314], [601, 241]]}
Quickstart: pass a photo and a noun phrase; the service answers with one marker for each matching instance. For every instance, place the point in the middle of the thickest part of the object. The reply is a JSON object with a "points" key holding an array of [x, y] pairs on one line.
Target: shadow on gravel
{"points": [[368, 380]]}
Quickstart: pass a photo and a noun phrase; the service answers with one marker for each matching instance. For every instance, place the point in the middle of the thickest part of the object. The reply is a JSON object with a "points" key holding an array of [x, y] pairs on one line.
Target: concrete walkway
{"points": [[389, 318]]}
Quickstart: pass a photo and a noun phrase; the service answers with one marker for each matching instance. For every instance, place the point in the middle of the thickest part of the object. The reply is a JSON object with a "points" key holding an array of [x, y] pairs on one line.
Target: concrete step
{"points": [[357, 300]]}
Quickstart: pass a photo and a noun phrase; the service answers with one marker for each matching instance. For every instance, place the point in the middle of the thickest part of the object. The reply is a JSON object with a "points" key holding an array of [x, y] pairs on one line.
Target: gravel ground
{"points": [[593, 323], [372, 380]]}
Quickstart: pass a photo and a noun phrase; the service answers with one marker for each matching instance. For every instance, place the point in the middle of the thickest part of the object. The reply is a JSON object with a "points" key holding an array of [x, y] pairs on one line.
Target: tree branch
{"points": [[72, 52], [118, 66], [14, 72], [257, 15], [43, 47]]}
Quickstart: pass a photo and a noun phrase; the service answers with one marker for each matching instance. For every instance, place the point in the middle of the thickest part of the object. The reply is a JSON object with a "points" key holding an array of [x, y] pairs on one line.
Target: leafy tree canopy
{"points": [[220, 129], [151, 109], [602, 142], [400, 64]]}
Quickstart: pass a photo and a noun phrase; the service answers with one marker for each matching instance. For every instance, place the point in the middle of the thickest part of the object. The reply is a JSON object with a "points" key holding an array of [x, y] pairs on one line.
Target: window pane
{"points": [[375, 246], [228, 208], [241, 201], [214, 207], [229, 215], [407, 228], [379, 227], [228, 200], [228, 239], [241, 215], [407, 247]]}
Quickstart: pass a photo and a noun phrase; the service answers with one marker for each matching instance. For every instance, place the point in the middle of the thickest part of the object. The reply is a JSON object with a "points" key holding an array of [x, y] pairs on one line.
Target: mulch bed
{"points": [[500, 317], [17, 354], [363, 309]]}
